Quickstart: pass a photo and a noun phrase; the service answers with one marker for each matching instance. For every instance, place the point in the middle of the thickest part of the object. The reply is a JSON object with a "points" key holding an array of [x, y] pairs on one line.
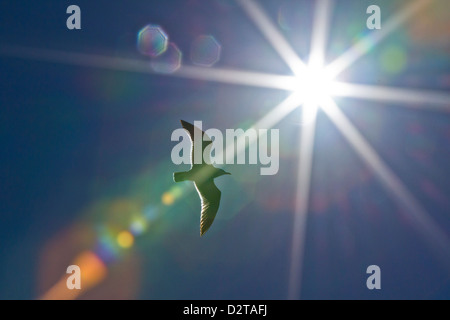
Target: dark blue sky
{"points": [[76, 138]]}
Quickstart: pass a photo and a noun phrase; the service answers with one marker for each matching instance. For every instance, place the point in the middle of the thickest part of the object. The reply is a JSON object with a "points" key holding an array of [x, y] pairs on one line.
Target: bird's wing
{"points": [[191, 129], [210, 197]]}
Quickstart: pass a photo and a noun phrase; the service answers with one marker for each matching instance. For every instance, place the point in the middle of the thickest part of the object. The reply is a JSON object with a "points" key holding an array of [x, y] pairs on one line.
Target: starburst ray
{"points": [[321, 22], [432, 233], [302, 201], [364, 45], [273, 35], [267, 122], [229, 76], [410, 98]]}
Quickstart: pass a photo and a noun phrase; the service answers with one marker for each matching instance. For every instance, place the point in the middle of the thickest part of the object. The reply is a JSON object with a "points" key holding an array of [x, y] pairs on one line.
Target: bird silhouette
{"points": [[203, 176]]}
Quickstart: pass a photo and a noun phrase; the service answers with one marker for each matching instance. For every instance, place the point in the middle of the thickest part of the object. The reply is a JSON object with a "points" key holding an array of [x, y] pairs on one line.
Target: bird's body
{"points": [[202, 175]]}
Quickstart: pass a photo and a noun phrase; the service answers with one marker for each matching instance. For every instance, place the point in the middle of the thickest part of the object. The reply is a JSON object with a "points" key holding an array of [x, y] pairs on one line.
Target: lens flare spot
{"points": [[106, 248], [168, 198], [152, 41], [138, 226], [205, 51], [125, 239], [169, 61], [393, 59]]}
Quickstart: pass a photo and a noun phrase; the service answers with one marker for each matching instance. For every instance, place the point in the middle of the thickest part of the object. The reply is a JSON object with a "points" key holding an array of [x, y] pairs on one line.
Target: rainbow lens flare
{"points": [[152, 41], [205, 51], [125, 239], [169, 62]]}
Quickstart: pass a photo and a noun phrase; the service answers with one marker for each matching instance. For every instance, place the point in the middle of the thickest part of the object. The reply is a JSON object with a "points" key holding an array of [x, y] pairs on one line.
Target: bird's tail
{"points": [[180, 176]]}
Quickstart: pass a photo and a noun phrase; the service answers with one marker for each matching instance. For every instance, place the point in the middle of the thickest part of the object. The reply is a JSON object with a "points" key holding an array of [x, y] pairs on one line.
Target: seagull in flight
{"points": [[202, 175]]}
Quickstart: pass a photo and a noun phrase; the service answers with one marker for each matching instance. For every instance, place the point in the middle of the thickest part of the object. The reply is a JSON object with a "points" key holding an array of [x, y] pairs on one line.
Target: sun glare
{"points": [[314, 85]]}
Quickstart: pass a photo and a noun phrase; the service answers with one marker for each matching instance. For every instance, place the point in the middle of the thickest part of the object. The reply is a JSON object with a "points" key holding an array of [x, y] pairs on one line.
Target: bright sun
{"points": [[313, 86]]}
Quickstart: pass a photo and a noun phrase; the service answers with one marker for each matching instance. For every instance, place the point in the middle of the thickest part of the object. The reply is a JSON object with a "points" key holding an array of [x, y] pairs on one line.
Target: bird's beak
{"points": [[227, 173]]}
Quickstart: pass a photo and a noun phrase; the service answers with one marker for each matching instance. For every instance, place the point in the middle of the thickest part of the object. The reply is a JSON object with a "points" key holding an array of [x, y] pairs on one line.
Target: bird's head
{"points": [[220, 172]]}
